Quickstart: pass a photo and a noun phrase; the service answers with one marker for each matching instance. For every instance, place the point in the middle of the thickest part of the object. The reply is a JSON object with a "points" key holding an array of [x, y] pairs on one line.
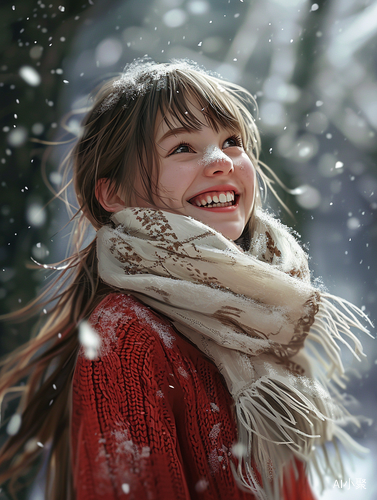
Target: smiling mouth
{"points": [[215, 199]]}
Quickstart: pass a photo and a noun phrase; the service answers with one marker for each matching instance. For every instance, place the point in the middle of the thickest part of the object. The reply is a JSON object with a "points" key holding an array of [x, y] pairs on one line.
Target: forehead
{"points": [[191, 119], [191, 115]]}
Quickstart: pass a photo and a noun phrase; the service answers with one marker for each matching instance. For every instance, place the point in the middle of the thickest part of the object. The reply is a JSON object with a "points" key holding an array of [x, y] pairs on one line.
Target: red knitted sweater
{"points": [[152, 418]]}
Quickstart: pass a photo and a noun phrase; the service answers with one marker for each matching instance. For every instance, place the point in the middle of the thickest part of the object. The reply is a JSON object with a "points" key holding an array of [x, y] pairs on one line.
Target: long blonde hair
{"points": [[117, 141]]}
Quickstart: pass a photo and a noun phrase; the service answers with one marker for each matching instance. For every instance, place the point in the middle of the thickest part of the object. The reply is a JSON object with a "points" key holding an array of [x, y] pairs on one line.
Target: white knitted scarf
{"points": [[257, 316]]}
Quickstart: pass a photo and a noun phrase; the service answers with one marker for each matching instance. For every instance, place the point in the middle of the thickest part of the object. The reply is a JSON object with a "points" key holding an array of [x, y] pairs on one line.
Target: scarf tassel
{"points": [[332, 326], [283, 416], [276, 421]]}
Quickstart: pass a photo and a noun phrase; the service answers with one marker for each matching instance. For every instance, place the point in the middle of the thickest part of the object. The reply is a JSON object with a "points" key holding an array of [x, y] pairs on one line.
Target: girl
{"points": [[186, 354]]}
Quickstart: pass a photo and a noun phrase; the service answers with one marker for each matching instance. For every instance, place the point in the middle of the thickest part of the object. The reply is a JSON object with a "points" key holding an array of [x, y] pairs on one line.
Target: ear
{"points": [[106, 196]]}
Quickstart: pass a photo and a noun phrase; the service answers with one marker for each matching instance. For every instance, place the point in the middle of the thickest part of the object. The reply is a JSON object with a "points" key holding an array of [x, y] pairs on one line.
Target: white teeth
{"points": [[219, 205], [224, 199]]}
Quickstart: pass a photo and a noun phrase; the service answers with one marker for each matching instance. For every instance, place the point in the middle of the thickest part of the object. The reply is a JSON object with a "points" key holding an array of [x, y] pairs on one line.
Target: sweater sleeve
{"points": [[124, 441]]}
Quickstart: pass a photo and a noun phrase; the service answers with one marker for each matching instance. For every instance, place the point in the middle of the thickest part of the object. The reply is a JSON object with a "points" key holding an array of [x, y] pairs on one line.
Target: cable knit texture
{"points": [[152, 418]]}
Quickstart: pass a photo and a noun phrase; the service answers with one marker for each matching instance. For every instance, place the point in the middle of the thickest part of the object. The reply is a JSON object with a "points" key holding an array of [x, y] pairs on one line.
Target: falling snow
{"points": [[201, 485], [89, 340], [30, 75], [14, 425], [239, 450], [125, 488]]}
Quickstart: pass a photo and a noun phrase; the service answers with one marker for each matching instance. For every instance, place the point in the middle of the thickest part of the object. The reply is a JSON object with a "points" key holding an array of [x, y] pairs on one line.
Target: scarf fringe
{"points": [[332, 325], [280, 416], [325, 466], [277, 421], [250, 482]]}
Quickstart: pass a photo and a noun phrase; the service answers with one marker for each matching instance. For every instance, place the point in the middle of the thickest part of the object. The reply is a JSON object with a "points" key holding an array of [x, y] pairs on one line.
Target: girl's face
{"points": [[204, 174]]}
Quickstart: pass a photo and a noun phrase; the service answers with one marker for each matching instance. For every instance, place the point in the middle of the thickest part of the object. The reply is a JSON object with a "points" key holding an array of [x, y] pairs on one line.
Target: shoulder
{"points": [[135, 358], [121, 319]]}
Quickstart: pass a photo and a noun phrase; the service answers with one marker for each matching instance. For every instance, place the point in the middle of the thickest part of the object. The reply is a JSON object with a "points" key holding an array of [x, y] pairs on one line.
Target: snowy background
{"points": [[311, 66]]}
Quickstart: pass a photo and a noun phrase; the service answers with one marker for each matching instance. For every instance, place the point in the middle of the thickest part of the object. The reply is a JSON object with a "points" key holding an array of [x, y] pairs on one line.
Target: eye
{"points": [[182, 148], [234, 140]]}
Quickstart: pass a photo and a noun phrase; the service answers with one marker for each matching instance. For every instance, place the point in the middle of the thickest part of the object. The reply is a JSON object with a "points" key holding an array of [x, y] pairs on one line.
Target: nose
{"points": [[216, 162]]}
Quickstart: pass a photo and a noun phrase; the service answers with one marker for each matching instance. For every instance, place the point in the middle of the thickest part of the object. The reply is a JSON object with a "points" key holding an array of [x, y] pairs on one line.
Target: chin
{"points": [[232, 231]]}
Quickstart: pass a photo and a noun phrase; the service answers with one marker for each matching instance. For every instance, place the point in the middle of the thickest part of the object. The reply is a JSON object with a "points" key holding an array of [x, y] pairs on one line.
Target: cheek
{"points": [[247, 175], [174, 180], [246, 171], [168, 178]]}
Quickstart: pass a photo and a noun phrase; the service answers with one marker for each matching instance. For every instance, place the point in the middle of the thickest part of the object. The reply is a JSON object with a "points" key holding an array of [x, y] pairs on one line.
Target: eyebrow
{"points": [[177, 131]]}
